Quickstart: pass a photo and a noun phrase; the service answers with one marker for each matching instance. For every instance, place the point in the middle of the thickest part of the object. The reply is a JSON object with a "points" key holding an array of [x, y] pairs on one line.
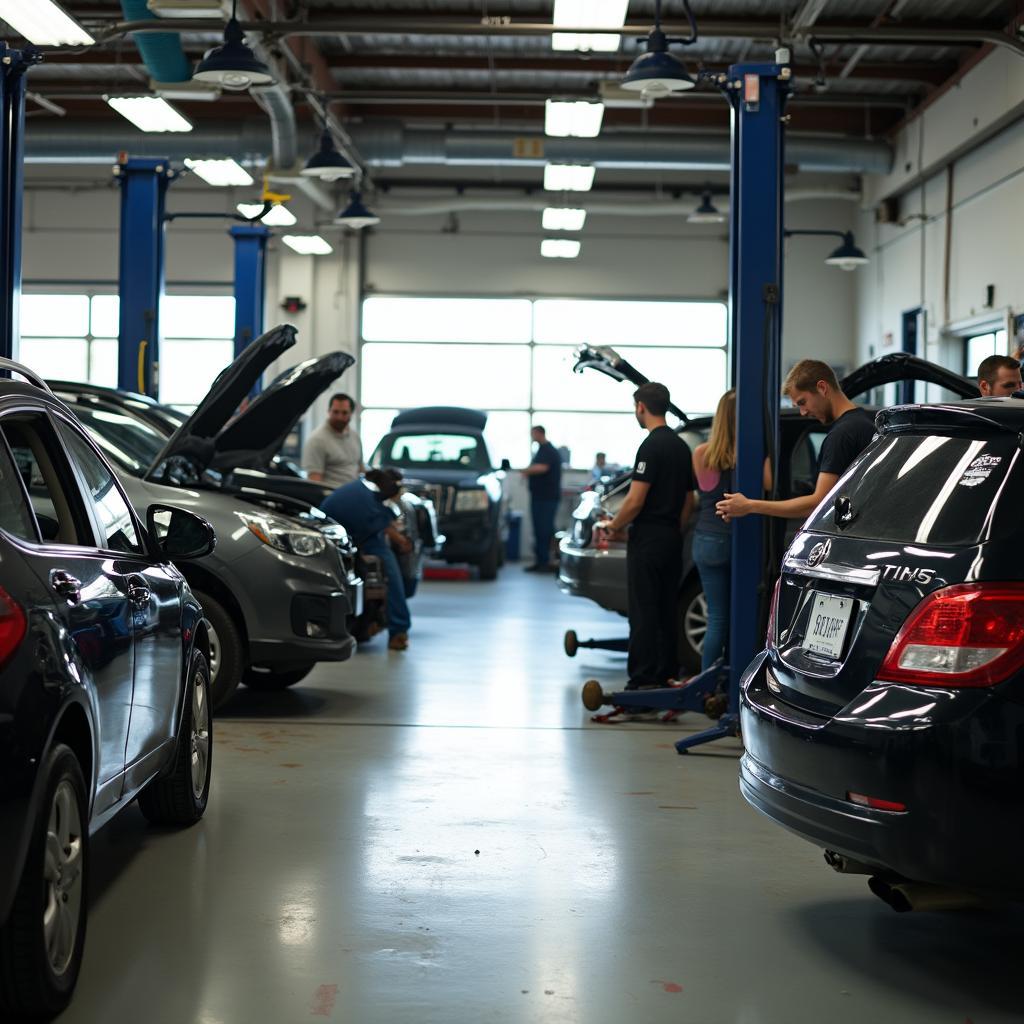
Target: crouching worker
{"points": [[360, 507]]}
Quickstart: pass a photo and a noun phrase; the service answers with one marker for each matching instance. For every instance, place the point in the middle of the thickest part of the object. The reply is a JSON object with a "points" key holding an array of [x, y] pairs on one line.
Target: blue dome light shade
{"points": [[657, 72], [233, 65], [356, 215], [327, 163], [847, 256]]}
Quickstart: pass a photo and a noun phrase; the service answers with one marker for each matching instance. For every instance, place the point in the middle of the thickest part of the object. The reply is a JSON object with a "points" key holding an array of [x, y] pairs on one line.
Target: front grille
{"points": [[442, 495]]}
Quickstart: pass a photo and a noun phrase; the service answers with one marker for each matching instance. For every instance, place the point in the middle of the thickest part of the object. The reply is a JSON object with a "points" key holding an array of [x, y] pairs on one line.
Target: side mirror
{"points": [[179, 535], [506, 466]]}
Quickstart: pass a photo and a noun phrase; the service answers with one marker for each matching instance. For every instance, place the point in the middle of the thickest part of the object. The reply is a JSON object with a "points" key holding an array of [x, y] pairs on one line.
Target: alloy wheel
{"points": [[214, 638], [62, 875], [695, 622], [200, 739]]}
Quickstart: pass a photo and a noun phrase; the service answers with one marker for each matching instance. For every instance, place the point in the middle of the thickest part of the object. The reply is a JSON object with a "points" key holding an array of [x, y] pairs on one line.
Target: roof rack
{"points": [[24, 371]]}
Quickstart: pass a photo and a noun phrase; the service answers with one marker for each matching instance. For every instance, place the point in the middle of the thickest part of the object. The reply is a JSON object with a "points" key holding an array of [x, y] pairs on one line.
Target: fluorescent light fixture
{"points": [[562, 218], [276, 217], [308, 245], [43, 23], [188, 8], [201, 92], [560, 248], [150, 113], [568, 178], [574, 118], [588, 14], [221, 173]]}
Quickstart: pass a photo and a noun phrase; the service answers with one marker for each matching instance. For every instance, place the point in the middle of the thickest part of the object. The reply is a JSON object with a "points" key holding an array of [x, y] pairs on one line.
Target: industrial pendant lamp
{"points": [[706, 213], [657, 72], [327, 163], [356, 215], [847, 256], [233, 65]]}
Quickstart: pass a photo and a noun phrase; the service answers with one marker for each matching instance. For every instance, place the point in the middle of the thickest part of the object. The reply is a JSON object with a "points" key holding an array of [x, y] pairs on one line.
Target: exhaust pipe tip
{"points": [[847, 865], [907, 896], [889, 894]]}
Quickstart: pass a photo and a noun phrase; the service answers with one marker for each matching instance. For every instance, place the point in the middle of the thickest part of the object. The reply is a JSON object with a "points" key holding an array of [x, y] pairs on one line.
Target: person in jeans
{"points": [[360, 507], [545, 476]]}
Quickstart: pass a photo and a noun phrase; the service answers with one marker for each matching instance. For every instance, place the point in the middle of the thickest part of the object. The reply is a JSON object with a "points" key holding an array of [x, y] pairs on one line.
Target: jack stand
{"points": [[573, 644], [692, 695], [728, 725]]}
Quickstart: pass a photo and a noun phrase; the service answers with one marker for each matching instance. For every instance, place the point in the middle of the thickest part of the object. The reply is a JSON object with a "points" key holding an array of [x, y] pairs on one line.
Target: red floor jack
{"points": [[703, 693]]}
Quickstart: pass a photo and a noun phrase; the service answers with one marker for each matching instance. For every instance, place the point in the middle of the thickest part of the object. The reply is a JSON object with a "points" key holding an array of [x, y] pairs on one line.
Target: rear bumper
{"points": [[599, 575], [951, 757]]}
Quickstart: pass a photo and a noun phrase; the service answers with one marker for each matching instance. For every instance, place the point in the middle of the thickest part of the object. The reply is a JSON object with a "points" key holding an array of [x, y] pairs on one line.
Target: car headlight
{"points": [[474, 500], [284, 535]]}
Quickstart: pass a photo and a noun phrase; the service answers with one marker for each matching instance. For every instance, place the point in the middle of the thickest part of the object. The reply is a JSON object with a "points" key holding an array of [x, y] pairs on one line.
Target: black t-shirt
{"points": [[547, 486], [665, 462], [846, 439]]}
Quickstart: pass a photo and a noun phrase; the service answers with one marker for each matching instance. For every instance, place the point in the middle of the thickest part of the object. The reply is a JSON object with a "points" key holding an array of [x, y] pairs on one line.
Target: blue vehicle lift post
{"points": [[250, 283], [13, 65], [144, 183], [757, 94]]}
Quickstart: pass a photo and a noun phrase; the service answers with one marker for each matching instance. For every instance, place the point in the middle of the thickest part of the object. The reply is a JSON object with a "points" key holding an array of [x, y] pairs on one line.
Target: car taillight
{"points": [[970, 634], [876, 803], [773, 614], [12, 625]]}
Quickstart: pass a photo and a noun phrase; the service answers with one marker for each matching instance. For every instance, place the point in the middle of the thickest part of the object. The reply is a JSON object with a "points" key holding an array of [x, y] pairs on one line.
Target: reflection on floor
{"points": [[443, 836]]}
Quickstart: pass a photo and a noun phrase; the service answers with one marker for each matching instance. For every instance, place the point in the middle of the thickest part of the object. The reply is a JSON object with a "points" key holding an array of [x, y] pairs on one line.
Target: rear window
{"points": [[928, 489]]}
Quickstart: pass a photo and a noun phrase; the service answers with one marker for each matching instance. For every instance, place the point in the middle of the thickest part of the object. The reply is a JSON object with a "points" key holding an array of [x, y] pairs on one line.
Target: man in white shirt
{"points": [[333, 453]]}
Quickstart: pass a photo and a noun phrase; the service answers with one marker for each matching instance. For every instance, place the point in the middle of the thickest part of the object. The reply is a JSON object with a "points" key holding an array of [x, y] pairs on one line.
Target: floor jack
{"points": [[573, 644], [703, 693]]}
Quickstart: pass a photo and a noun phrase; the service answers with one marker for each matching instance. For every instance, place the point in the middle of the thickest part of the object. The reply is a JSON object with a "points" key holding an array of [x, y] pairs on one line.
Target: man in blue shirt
{"points": [[545, 476], [359, 507]]}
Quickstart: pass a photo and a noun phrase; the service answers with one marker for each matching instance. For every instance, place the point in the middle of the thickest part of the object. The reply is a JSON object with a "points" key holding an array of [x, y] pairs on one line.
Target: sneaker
{"points": [[398, 642]]}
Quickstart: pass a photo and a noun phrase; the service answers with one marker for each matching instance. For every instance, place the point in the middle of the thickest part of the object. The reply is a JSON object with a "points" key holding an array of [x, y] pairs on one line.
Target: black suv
{"points": [[883, 722], [104, 658]]}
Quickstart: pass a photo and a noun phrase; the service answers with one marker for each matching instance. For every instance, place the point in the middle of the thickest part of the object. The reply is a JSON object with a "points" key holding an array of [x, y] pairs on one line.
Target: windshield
{"points": [[125, 440], [433, 451], [929, 489]]}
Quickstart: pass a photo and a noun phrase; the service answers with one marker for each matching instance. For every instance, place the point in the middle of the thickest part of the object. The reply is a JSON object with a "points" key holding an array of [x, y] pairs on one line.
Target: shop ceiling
{"points": [[387, 67]]}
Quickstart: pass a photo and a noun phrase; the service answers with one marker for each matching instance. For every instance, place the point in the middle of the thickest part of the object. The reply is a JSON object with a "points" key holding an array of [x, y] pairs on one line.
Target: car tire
{"points": [[271, 679], [180, 797], [693, 624], [488, 565], [42, 940], [227, 650]]}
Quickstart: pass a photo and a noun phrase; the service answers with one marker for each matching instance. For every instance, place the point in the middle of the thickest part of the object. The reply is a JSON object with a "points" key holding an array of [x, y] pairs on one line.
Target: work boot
{"points": [[398, 642]]}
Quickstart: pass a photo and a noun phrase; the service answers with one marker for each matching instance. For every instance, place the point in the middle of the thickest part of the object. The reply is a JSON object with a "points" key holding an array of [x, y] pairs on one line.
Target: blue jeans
{"points": [[712, 554], [543, 511], [399, 620]]}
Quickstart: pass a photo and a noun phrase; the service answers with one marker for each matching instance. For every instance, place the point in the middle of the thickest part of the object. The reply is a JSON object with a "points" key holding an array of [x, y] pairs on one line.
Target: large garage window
{"points": [[514, 358], [74, 337]]}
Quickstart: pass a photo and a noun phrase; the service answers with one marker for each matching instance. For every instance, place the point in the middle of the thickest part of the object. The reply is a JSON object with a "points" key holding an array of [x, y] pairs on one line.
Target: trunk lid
{"points": [[935, 492]]}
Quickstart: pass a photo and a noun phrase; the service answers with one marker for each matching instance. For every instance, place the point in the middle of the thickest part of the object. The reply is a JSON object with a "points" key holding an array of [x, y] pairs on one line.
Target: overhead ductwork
{"points": [[395, 146], [161, 52]]}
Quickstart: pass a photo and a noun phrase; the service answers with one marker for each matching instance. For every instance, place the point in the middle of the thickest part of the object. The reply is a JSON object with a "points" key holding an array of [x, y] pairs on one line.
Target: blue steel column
{"points": [[144, 184], [250, 282], [13, 65]]}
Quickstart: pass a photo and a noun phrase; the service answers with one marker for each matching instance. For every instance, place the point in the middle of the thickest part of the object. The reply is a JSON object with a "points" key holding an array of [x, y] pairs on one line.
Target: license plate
{"points": [[826, 630]]}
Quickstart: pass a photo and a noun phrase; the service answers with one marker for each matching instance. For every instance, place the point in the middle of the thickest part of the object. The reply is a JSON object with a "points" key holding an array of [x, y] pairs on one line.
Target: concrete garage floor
{"points": [[336, 875]]}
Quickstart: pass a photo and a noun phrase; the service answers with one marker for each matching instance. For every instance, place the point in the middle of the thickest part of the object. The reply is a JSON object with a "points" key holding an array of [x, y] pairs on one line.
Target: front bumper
{"points": [[468, 536], [594, 573], [952, 757]]}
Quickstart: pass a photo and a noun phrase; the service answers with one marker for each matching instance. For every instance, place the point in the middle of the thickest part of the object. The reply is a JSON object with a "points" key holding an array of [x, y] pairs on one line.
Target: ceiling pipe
{"points": [[392, 24], [394, 146]]}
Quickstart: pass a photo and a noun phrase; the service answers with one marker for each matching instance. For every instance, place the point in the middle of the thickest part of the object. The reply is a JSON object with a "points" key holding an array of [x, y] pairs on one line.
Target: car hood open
{"points": [[252, 439], [901, 366], [194, 439], [607, 361]]}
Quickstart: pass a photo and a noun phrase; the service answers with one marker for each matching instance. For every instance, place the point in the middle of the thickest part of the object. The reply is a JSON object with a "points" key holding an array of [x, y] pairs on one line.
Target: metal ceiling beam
{"points": [[395, 23], [807, 15]]}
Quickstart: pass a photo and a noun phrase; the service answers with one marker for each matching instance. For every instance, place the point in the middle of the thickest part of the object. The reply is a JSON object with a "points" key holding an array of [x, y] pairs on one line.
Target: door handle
{"points": [[138, 592], [63, 584]]}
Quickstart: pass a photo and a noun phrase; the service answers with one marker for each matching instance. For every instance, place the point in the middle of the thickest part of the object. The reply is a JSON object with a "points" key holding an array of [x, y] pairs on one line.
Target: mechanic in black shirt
{"points": [[658, 503], [814, 390]]}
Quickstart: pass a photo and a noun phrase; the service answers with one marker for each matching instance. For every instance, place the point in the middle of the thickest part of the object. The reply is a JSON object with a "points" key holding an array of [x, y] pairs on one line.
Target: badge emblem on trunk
{"points": [[819, 553]]}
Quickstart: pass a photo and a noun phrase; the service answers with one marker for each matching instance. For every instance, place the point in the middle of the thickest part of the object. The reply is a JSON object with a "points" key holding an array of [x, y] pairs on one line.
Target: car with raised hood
{"points": [[281, 590], [598, 572], [883, 720], [104, 681], [441, 452]]}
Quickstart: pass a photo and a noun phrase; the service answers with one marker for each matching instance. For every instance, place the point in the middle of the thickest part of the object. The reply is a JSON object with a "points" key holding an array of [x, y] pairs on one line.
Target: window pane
{"points": [[413, 375], [436, 451], [105, 313], [188, 368], [695, 378], [15, 515], [197, 316], [55, 316], [386, 318], [508, 437], [585, 434], [55, 358], [103, 362], [555, 386], [613, 322], [979, 348], [373, 425]]}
